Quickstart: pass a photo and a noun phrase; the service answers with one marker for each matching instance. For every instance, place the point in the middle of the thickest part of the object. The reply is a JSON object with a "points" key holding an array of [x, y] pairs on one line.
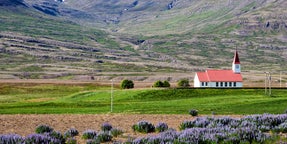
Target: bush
{"points": [[106, 127], [161, 84], [40, 139], [71, 133], [103, 137], [186, 125], [71, 140], [158, 84], [11, 139], [116, 132], [43, 129], [127, 84], [166, 84], [57, 135], [193, 112], [93, 141], [144, 127], [183, 83], [161, 127], [89, 134]]}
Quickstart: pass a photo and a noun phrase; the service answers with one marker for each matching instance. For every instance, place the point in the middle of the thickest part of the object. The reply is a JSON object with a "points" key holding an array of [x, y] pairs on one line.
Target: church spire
{"points": [[236, 58], [236, 63]]}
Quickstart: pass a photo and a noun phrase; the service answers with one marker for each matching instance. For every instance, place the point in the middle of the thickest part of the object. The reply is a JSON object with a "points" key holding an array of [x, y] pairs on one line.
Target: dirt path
{"points": [[26, 124]]}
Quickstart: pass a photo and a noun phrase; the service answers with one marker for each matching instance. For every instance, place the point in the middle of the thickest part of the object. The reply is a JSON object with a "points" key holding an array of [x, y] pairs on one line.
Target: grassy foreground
{"points": [[95, 99]]}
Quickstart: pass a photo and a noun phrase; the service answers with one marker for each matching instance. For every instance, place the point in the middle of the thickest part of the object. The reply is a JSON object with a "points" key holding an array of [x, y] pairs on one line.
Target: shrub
{"points": [[127, 84], [71, 133], [43, 129], [166, 84], [89, 134], [183, 83], [161, 127], [193, 112], [71, 140], [186, 125], [116, 132], [161, 84], [11, 139], [106, 127], [281, 128], [104, 137], [92, 141], [40, 139], [144, 127], [158, 84], [57, 135]]}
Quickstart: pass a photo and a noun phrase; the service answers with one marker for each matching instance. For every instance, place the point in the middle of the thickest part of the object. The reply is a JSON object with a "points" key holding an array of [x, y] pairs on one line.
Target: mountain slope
{"points": [[48, 36], [48, 46]]}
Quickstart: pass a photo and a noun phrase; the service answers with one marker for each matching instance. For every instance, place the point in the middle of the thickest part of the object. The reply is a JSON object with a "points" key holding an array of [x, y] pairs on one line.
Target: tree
{"points": [[161, 84], [158, 84], [166, 84], [127, 84], [183, 83]]}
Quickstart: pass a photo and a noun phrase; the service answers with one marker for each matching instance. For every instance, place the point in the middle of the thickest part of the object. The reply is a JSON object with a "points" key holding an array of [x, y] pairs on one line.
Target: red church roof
{"points": [[219, 76], [236, 58]]}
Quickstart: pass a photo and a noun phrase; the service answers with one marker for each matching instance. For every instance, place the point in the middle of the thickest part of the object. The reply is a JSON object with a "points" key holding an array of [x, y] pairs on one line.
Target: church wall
{"points": [[196, 81]]}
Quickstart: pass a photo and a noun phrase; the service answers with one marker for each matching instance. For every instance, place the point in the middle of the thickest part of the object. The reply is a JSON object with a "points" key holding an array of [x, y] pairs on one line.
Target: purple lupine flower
{"points": [[89, 134], [71, 132], [41, 138], [161, 127], [106, 127], [144, 127], [11, 139]]}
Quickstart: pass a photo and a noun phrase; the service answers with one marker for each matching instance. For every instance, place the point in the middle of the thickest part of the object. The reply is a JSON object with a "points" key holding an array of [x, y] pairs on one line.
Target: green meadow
{"points": [[96, 99]]}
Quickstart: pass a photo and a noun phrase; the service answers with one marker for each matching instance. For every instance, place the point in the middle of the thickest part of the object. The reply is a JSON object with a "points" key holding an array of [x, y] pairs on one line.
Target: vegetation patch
{"points": [[96, 99]]}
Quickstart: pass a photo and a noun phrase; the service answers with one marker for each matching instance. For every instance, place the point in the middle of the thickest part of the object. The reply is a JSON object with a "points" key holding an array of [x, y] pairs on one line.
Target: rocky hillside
{"points": [[56, 37]]}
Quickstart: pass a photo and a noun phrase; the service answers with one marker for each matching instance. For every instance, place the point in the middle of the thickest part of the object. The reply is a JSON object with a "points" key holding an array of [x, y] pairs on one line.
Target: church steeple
{"points": [[236, 63]]}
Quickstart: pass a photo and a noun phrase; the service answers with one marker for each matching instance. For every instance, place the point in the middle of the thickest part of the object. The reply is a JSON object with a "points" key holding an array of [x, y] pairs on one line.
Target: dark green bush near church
{"points": [[166, 84], [159, 84], [183, 83], [127, 84]]}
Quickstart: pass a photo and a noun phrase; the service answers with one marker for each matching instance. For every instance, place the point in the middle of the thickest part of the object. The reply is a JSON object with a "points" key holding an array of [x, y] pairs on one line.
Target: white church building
{"points": [[221, 78]]}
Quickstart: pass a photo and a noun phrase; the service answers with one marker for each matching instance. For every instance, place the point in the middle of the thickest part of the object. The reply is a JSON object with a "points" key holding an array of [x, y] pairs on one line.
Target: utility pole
{"points": [[112, 92], [280, 78], [268, 79], [266, 83]]}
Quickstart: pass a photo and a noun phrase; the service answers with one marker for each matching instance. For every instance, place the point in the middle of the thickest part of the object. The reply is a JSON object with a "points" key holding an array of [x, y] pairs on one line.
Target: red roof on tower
{"points": [[219, 76], [236, 58]]}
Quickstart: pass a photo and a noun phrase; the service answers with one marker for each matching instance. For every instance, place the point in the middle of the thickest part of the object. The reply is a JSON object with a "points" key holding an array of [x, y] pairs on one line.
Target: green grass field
{"points": [[95, 99]]}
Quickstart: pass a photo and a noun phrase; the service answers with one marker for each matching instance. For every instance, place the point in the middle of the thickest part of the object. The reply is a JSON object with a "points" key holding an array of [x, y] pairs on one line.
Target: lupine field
{"points": [[265, 128]]}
